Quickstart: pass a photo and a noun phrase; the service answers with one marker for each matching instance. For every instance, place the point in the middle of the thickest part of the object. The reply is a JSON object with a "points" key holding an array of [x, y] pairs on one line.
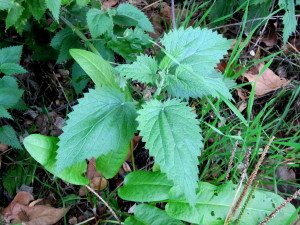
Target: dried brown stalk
{"points": [[232, 158]]}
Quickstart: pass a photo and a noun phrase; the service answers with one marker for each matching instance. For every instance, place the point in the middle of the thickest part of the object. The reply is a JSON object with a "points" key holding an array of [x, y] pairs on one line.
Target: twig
{"points": [[146, 7], [272, 215], [83, 222], [250, 180], [232, 157], [105, 203], [173, 14]]}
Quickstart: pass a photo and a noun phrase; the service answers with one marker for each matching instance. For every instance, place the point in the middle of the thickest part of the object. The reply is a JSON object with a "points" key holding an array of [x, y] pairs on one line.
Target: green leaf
{"points": [[9, 137], [110, 164], [37, 8], [69, 42], [145, 186], [213, 203], [4, 113], [6, 4], [143, 70], [43, 150], [150, 215], [9, 97], [133, 13], [59, 37], [11, 54], [105, 52], [8, 82], [289, 18], [98, 22], [195, 52], [172, 135], [13, 15], [54, 7], [78, 81], [102, 122], [82, 3], [12, 68], [99, 70]]}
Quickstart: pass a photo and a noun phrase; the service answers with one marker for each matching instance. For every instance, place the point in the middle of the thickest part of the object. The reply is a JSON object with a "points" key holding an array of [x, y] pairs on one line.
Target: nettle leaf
{"points": [[13, 15], [146, 214], [43, 150], [37, 8], [289, 18], [143, 69], [8, 82], [4, 113], [196, 51], [6, 4], [54, 7], [134, 14], [82, 3], [79, 78], [213, 203], [102, 122], [145, 186], [9, 97], [172, 135], [59, 37], [9, 137], [69, 42], [12, 68], [98, 22], [11, 54], [99, 70]]}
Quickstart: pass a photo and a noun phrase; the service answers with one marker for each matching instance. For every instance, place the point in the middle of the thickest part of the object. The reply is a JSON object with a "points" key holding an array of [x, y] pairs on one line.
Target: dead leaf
{"points": [[109, 4], [157, 22], [267, 81], [20, 211], [293, 46], [3, 147], [270, 39]]}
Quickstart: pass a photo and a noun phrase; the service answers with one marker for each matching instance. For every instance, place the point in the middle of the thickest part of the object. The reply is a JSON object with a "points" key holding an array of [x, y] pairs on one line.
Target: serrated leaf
{"points": [[213, 203], [172, 135], [43, 150], [289, 19], [145, 186], [105, 52], [54, 7], [109, 165], [11, 54], [78, 80], [9, 97], [196, 51], [8, 82], [98, 22], [82, 3], [103, 121], [6, 4], [12, 68], [133, 13], [13, 15], [4, 113], [8, 136], [99, 70], [143, 69], [59, 37], [37, 8], [150, 215], [68, 43]]}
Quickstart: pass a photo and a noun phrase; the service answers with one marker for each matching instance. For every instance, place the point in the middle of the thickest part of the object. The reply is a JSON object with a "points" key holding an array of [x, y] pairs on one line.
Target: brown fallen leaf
{"points": [[3, 147], [266, 82], [270, 39], [20, 211], [109, 4], [293, 46]]}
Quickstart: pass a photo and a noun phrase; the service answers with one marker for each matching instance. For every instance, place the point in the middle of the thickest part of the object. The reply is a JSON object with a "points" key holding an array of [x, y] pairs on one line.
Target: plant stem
{"points": [[80, 34], [173, 14], [132, 156]]}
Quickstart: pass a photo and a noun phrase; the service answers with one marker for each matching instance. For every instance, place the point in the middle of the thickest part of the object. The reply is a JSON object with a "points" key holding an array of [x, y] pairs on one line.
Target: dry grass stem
{"points": [[232, 158]]}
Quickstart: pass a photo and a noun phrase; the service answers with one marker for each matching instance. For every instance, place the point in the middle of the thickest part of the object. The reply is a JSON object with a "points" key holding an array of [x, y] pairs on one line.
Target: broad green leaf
{"points": [[13, 15], [145, 186], [57, 40], [103, 121], [82, 3], [37, 8], [110, 164], [99, 70], [133, 13], [43, 150], [9, 97], [12, 68], [6, 4], [98, 22], [11, 54], [143, 69], [172, 134], [8, 82], [54, 7], [79, 78], [289, 18], [69, 42], [150, 215], [196, 53], [4, 113], [105, 52], [8, 136], [213, 203]]}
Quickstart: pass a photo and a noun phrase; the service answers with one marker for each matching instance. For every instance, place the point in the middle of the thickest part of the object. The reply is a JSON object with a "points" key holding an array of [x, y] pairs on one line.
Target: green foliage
{"points": [[147, 214], [8, 136], [11, 68], [289, 18], [43, 150], [11, 54], [212, 202], [102, 118], [6, 4], [79, 80], [99, 22], [143, 69], [54, 7]]}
